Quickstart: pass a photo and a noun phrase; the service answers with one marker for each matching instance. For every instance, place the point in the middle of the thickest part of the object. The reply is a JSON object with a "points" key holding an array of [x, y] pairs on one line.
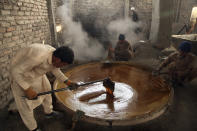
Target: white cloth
{"points": [[28, 69]]}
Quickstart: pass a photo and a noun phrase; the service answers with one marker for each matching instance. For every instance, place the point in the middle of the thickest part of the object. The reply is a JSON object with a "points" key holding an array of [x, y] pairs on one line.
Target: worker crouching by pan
{"points": [[28, 75], [123, 50], [180, 65]]}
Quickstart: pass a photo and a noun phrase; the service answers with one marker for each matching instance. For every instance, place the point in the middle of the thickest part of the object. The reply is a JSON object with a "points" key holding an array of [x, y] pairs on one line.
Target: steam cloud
{"points": [[127, 27], [85, 47]]}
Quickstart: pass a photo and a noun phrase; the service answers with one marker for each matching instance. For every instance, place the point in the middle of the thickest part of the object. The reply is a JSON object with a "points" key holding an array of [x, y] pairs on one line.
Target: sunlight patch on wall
{"points": [[193, 15]]}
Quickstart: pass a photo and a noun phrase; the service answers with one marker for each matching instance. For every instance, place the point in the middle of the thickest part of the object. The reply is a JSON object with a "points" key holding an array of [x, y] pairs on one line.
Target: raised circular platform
{"points": [[139, 96]]}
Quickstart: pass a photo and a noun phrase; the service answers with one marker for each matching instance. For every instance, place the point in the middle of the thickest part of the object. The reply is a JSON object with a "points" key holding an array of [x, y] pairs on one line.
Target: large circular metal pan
{"points": [[139, 96]]}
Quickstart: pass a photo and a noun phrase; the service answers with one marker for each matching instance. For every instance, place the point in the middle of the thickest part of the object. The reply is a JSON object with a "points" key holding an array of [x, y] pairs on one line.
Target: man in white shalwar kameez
{"points": [[28, 75]]}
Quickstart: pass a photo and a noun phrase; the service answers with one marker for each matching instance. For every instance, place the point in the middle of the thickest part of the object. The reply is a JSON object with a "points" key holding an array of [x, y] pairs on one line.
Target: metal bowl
{"points": [[139, 96]]}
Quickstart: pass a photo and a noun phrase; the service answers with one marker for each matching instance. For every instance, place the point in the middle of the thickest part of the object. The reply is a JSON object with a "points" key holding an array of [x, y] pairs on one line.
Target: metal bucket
{"points": [[139, 97]]}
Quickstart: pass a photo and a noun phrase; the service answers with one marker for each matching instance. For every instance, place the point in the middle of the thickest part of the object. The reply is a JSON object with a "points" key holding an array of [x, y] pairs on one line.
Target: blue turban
{"points": [[121, 37], [185, 46]]}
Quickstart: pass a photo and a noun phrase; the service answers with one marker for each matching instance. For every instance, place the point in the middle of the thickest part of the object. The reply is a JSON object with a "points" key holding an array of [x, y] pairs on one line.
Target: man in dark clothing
{"points": [[180, 65], [123, 51], [134, 15]]}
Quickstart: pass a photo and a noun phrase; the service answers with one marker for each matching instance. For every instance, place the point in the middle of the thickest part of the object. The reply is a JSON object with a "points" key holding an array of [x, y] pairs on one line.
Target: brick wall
{"points": [[95, 15], [22, 22], [144, 11]]}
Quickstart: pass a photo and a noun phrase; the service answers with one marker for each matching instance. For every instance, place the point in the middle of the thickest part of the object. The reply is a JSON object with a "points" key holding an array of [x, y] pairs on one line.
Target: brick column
{"points": [[52, 23]]}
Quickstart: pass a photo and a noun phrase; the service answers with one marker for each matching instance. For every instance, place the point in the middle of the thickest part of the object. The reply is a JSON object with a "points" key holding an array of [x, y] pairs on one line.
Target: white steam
{"points": [[127, 27], [85, 47]]}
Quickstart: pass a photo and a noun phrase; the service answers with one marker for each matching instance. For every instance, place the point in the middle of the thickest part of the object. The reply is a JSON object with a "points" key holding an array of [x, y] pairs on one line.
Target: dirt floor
{"points": [[180, 116]]}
